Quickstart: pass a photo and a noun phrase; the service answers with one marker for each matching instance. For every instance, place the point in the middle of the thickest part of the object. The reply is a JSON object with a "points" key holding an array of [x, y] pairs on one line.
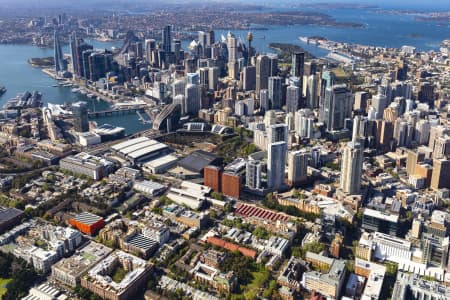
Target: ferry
{"points": [[2, 90]]}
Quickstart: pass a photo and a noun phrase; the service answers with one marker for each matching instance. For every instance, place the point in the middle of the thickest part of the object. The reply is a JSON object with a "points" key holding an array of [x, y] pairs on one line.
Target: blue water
{"points": [[380, 30], [18, 76]]}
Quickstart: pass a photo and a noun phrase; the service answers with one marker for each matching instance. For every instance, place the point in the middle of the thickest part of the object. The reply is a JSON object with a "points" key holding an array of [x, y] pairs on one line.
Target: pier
{"points": [[115, 112]]}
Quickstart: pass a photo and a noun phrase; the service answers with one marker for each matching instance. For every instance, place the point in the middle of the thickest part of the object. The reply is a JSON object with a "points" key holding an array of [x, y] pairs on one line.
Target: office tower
{"points": [[391, 113], [264, 102], [100, 63], [74, 43], [292, 99], [379, 102], [269, 119], [60, 64], [400, 132], [210, 38], [298, 66], [150, 46], [440, 177], [239, 108], [385, 89], [304, 123], [312, 100], [290, 121], [277, 133], [262, 73], [233, 70], [181, 100], [422, 132], [275, 92], [204, 77], [401, 71], [80, 116], [351, 169], [249, 78], [356, 129], [178, 87], [213, 78], [310, 68], [435, 133], [337, 106], [426, 93], [167, 39], [441, 147], [202, 38], [385, 135], [297, 167], [177, 50], [328, 79], [361, 101], [276, 163], [413, 158], [232, 48], [193, 78], [253, 174], [139, 50], [273, 63], [193, 96]]}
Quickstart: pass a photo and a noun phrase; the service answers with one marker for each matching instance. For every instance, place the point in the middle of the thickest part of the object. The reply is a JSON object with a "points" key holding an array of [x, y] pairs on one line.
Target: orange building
{"points": [[87, 223], [211, 177], [231, 185]]}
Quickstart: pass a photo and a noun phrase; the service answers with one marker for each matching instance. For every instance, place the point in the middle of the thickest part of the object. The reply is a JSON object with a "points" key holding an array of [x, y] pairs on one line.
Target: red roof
{"points": [[246, 210], [231, 247]]}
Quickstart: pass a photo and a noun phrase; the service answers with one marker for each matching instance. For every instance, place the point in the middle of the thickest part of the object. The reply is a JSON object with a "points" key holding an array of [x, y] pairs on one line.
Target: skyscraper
{"points": [[249, 78], [297, 167], [275, 92], [167, 39], [336, 107], [60, 64], [232, 48], [298, 66], [264, 102], [74, 42], [277, 133], [351, 169], [379, 102], [276, 163], [262, 73], [80, 116], [292, 99], [312, 100], [193, 96], [253, 174]]}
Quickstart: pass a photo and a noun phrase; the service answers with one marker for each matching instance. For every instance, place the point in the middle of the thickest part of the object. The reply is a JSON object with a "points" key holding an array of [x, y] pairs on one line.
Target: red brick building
{"points": [[212, 177], [231, 185]]}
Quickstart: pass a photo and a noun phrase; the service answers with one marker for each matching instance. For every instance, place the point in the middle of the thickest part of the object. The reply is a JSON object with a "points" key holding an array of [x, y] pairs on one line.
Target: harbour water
{"points": [[380, 30]]}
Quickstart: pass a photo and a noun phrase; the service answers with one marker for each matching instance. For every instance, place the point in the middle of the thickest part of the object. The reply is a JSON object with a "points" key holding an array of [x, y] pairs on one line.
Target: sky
{"points": [[429, 5]]}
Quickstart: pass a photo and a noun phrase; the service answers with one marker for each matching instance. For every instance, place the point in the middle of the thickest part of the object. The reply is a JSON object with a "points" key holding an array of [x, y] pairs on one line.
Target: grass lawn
{"points": [[3, 283]]}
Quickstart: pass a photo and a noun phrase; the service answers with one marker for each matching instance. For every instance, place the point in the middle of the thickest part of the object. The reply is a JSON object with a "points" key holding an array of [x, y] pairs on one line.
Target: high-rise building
{"points": [[426, 93], [249, 78], [361, 101], [264, 101], [193, 94], [193, 78], [213, 78], [298, 66], [80, 116], [262, 73], [150, 46], [211, 177], [277, 133], [253, 174], [440, 177], [297, 167], [210, 38], [275, 92], [232, 48], [304, 123], [60, 63], [292, 99], [441, 147], [276, 163], [414, 157], [379, 102], [178, 87], [167, 39], [312, 99], [351, 169], [337, 106], [328, 79]]}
